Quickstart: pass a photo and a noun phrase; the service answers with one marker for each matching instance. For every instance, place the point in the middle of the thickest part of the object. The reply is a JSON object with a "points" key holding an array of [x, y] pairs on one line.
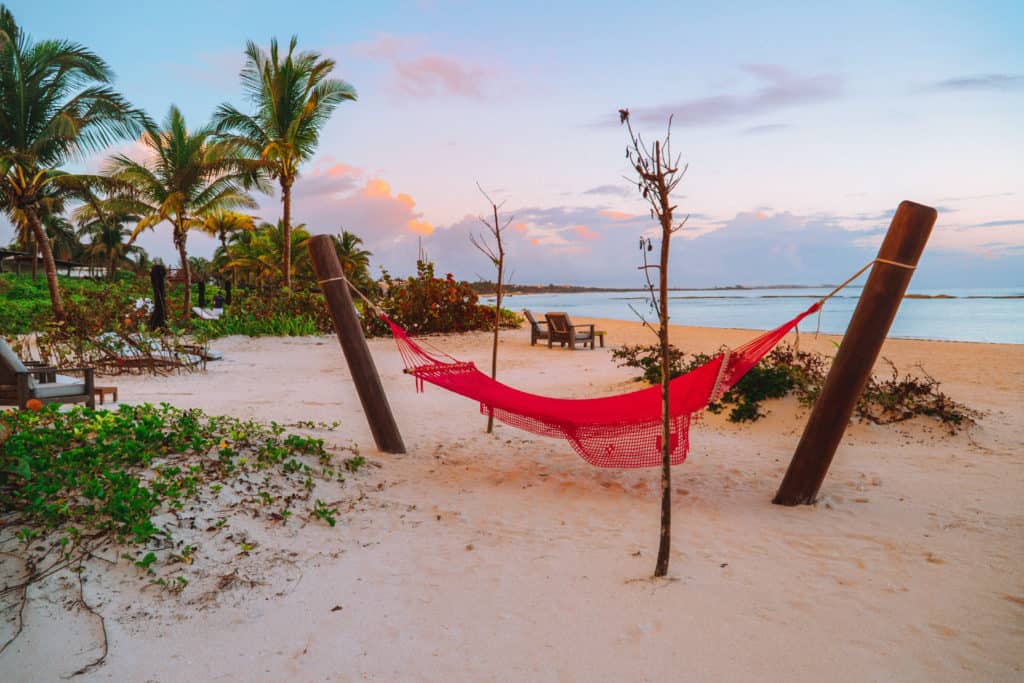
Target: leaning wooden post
{"points": [[857, 354], [360, 363]]}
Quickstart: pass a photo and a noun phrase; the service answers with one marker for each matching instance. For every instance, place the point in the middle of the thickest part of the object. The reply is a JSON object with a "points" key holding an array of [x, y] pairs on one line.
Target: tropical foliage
{"points": [[426, 304], [257, 256], [56, 102], [355, 261], [189, 176], [196, 178], [288, 314], [293, 97], [25, 305], [105, 224]]}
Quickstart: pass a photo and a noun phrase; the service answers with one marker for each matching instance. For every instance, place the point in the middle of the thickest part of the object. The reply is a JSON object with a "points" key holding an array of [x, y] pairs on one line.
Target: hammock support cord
{"points": [[621, 431]]}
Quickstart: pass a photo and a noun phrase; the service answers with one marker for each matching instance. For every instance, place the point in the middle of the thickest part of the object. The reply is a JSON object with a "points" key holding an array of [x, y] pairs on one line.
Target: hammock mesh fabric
{"points": [[621, 431]]}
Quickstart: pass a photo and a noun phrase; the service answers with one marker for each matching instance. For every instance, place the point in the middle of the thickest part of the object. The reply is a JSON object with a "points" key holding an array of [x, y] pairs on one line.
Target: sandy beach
{"points": [[508, 558]]}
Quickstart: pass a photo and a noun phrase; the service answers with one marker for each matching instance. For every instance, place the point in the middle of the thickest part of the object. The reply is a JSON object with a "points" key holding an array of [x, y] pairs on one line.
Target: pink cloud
{"points": [[420, 227], [340, 170], [136, 150], [618, 215], [376, 189], [332, 196], [423, 74], [327, 178], [435, 75], [586, 233]]}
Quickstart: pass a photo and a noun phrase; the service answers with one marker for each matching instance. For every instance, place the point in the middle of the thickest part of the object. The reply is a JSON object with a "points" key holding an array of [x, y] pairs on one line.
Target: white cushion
{"points": [[58, 390]]}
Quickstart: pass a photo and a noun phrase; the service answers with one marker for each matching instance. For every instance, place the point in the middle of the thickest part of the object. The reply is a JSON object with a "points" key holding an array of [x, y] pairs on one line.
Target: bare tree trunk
{"points": [[49, 265], [180, 236], [497, 311], [496, 255], [286, 199], [665, 544], [657, 175]]}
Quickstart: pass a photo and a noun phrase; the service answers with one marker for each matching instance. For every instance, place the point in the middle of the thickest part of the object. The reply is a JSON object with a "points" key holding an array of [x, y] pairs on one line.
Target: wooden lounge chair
{"points": [[562, 330], [536, 331], [20, 384]]}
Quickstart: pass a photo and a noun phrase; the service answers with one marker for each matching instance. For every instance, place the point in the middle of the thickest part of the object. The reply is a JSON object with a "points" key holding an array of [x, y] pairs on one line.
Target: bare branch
{"points": [[496, 254], [657, 177]]}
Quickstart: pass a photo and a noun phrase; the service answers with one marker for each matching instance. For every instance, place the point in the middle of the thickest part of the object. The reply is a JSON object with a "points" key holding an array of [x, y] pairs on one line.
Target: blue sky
{"points": [[804, 126]]}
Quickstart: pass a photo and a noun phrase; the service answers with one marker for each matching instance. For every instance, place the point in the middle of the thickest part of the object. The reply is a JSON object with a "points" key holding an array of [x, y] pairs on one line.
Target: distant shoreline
{"points": [[527, 290], [488, 288]]}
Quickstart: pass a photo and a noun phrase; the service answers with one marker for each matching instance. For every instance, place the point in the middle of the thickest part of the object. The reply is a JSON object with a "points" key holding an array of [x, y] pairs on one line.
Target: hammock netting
{"points": [[622, 431]]}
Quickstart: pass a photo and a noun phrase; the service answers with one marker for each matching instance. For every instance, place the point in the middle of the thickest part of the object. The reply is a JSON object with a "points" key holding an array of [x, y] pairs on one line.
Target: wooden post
{"points": [[158, 278], [360, 363], [857, 354]]}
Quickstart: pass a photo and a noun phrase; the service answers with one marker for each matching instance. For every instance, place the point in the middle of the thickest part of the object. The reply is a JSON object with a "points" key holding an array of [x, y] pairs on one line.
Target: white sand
{"points": [[508, 558]]}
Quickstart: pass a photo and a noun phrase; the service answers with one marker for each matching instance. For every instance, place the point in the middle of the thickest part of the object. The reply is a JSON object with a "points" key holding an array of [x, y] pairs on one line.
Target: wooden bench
{"points": [[103, 392], [600, 336]]}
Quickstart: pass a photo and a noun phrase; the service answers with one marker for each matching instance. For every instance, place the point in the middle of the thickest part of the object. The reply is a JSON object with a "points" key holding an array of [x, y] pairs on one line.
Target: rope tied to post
{"points": [[341, 278], [869, 264]]}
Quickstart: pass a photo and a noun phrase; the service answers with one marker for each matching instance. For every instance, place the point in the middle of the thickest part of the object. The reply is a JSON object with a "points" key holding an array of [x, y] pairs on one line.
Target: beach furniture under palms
{"points": [[20, 384]]}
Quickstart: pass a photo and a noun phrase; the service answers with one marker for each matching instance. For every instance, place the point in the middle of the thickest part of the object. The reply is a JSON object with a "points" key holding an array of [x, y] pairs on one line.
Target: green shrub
{"points": [[786, 371], [425, 304], [256, 314]]}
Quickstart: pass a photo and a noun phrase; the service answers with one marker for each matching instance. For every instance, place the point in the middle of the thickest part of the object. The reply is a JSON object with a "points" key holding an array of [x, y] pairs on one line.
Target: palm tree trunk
{"points": [[179, 241], [49, 265], [35, 254], [286, 199]]}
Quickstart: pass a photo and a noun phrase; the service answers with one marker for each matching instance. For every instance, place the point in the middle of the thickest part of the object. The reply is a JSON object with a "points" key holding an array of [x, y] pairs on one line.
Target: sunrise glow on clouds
{"points": [[800, 140]]}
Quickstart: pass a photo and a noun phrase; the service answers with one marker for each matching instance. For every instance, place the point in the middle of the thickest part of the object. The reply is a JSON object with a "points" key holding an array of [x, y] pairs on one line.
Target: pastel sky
{"points": [[804, 125]]}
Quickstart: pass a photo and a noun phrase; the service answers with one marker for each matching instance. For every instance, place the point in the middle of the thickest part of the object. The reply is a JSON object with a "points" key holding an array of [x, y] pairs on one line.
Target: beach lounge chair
{"points": [[206, 313], [137, 351], [20, 384], [536, 331], [562, 330]]}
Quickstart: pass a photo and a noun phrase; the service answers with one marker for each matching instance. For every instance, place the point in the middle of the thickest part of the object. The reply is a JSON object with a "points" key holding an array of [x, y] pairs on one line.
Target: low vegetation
{"points": [[25, 301], [787, 371], [256, 314], [86, 484]]}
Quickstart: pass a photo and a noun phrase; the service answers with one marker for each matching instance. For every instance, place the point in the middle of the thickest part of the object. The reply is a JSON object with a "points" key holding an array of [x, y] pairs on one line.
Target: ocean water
{"points": [[978, 315]]}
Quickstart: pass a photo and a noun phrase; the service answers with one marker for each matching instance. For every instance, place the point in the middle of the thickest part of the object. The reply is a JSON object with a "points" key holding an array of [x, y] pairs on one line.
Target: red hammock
{"points": [[614, 431]]}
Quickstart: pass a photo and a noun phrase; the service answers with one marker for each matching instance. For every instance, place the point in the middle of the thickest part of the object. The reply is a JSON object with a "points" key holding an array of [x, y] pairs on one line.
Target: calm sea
{"points": [[980, 315]]}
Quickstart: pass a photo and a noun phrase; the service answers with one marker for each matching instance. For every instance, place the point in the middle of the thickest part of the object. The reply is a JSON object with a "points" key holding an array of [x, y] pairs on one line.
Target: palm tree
{"points": [[104, 224], [293, 98], [191, 176], [223, 225], [55, 103], [355, 261], [48, 207], [260, 253], [200, 268], [64, 242], [141, 264]]}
